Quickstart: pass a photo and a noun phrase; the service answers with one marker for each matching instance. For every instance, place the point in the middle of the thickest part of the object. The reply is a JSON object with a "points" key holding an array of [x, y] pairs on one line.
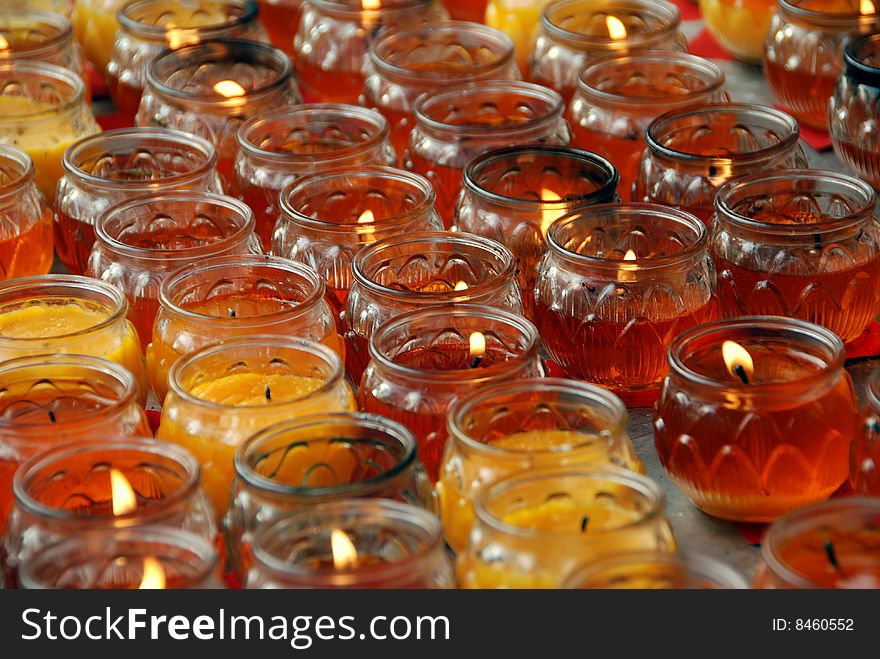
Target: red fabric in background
{"points": [[867, 345], [690, 10], [704, 45]]}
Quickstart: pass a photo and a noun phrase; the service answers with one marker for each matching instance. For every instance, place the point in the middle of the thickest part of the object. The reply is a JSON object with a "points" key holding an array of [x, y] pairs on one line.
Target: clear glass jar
{"points": [[456, 125], [423, 360], [68, 314], [94, 26], [865, 449], [756, 417], [404, 64], [277, 148], [43, 110], [210, 89], [326, 219], [799, 243], [618, 284], [810, 547], [149, 27], [516, 427], [572, 33], [25, 219], [533, 529], [334, 38], [803, 54], [656, 571], [854, 110], [693, 152], [224, 393], [115, 166], [420, 270], [396, 545], [297, 464], [739, 26], [281, 20], [513, 196], [618, 96]]}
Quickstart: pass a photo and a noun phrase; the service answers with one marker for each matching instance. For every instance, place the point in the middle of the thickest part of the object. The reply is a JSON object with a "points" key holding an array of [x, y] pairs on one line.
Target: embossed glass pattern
{"points": [[656, 571], [865, 450], [25, 219]]}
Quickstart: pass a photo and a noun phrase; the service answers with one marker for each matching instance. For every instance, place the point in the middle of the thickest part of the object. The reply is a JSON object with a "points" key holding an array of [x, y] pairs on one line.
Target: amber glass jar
{"points": [[111, 167], [865, 450], [574, 32], [693, 152], [142, 241], [279, 147], [25, 218], [618, 96], [456, 125], [281, 20], [404, 64], [513, 196], [656, 571], [799, 243], [467, 10]]}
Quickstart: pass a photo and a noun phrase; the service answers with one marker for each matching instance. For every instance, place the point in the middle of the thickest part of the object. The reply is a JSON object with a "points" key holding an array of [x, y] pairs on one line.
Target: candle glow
{"points": [[154, 575], [461, 286], [4, 44], [616, 28], [122, 497], [344, 553], [737, 359], [549, 215], [229, 88], [477, 345], [866, 8]]}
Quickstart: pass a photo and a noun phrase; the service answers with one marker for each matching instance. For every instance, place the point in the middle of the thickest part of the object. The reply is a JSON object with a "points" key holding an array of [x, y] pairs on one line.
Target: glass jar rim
{"points": [[24, 170], [45, 70], [165, 136], [634, 482], [842, 20], [158, 33], [873, 389], [353, 9], [661, 9], [854, 64], [588, 394], [246, 453], [62, 37]]}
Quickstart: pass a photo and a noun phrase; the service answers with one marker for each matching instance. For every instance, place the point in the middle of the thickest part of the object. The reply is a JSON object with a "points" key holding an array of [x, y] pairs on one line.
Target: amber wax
{"points": [[25, 219]]}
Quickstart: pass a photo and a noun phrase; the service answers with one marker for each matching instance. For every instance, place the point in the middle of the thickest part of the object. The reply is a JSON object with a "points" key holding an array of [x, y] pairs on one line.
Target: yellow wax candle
{"points": [[94, 26], [518, 19], [740, 26]]}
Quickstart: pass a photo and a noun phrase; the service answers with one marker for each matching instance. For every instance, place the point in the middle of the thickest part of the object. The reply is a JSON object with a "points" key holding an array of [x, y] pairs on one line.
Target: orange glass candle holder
{"points": [[656, 571], [334, 38], [865, 449], [281, 20], [209, 89], [456, 125], [236, 296], [326, 219], [25, 219], [803, 55], [115, 166], [693, 152], [514, 195], [618, 284], [149, 27], [778, 241], [515, 427], [739, 26], [95, 26], [533, 529], [618, 96], [404, 64], [828, 545], [277, 148], [756, 417], [421, 270], [573, 32], [222, 394], [353, 544]]}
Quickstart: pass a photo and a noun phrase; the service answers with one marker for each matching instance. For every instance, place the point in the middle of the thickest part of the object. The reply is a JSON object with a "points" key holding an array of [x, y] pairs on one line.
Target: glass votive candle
{"points": [[149, 27], [149, 558], [420, 270], [222, 394], [618, 284], [854, 110], [573, 32], [618, 97], [515, 427], [281, 20], [25, 219], [236, 296], [423, 360], [656, 571], [115, 166], [48, 400], [756, 416], [739, 26], [209, 89], [334, 36], [404, 64], [43, 110], [68, 314], [799, 243], [865, 449], [277, 148], [693, 152], [456, 125], [315, 459], [532, 529], [94, 26], [353, 544], [513, 196], [827, 545], [326, 219], [803, 53]]}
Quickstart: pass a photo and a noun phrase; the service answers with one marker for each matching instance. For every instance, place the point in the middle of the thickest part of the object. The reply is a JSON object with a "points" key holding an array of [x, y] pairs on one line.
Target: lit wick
{"points": [[232, 313], [740, 371], [268, 393], [584, 521], [828, 546], [616, 28], [477, 348], [51, 416], [737, 360]]}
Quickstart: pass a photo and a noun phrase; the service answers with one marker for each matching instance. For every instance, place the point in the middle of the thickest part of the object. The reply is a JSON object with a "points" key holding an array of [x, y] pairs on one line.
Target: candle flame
{"points": [[367, 217], [229, 88], [616, 28], [477, 345], [122, 497], [866, 8], [4, 44], [629, 256], [734, 356], [549, 215], [344, 553], [154, 575], [371, 4], [461, 286]]}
